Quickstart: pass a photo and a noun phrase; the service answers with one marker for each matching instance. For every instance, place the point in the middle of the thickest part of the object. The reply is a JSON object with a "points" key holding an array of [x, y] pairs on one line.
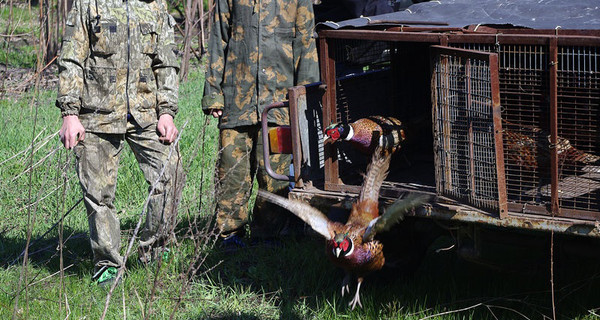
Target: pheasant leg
{"points": [[346, 284], [356, 298]]}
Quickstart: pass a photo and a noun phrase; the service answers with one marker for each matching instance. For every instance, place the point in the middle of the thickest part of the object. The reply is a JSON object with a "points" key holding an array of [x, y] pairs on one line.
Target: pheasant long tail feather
{"points": [[376, 172], [313, 217]]}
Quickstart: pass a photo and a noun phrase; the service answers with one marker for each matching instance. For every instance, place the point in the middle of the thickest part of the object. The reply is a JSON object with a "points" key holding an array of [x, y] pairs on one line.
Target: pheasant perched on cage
{"points": [[352, 246], [368, 133], [528, 150]]}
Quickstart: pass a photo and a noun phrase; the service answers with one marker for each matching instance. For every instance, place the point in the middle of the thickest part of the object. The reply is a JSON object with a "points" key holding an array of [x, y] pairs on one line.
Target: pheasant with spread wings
{"points": [[352, 246]]}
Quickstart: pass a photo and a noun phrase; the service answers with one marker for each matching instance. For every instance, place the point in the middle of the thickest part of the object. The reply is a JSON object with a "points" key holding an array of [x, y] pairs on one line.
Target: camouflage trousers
{"points": [[97, 164], [241, 160]]}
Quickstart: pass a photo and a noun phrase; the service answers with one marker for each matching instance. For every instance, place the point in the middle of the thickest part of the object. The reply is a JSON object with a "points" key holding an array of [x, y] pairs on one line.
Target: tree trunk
{"points": [[190, 13], [201, 21]]}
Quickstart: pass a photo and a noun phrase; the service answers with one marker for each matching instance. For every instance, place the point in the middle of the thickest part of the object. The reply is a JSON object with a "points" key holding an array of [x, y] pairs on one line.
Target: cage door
{"points": [[469, 160]]}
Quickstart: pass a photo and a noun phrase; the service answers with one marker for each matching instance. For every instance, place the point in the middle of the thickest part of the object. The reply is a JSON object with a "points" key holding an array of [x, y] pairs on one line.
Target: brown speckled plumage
{"points": [[534, 150], [364, 134]]}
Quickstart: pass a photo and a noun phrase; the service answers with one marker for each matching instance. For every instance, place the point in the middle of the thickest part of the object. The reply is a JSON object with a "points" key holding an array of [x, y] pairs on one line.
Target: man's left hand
{"points": [[166, 128]]}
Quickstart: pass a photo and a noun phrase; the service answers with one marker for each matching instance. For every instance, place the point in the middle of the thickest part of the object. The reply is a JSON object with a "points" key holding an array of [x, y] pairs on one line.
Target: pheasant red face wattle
{"points": [[334, 134]]}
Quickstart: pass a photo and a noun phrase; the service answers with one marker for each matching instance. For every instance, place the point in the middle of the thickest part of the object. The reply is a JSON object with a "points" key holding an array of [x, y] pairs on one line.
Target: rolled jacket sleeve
{"points": [[166, 69], [217, 46], [75, 47]]}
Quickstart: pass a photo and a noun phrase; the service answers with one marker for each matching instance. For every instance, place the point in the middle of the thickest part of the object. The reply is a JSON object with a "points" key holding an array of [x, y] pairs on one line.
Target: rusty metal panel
{"points": [[466, 126], [327, 62], [306, 120], [297, 101]]}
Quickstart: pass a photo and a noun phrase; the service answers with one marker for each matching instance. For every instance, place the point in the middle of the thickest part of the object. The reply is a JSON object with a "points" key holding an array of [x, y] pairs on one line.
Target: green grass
{"points": [[24, 56], [24, 21], [291, 281], [21, 51]]}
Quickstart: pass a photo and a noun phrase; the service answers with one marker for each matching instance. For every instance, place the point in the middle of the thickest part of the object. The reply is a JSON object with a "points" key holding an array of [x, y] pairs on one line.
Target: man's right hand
{"points": [[71, 131]]}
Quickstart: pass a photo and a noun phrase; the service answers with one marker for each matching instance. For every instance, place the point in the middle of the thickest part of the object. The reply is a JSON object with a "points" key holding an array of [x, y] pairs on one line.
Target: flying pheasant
{"points": [[368, 133], [352, 246]]}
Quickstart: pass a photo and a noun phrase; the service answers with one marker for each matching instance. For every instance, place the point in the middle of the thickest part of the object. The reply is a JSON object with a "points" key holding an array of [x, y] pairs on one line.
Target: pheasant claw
{"points": [[346, 285], [356, 299], [354, 302]]}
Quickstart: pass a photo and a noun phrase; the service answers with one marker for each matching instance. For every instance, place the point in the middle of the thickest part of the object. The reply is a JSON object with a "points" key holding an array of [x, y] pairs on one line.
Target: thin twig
{"points": [[30, 215], [192, 265], [30, 168], [2, 35], [60, 230], [453, 311], [509, 309], [124, 309], [552, 273], [35, 76], [50, 276], [67, 306], [47, 231], [139, 301], [47, 138]]}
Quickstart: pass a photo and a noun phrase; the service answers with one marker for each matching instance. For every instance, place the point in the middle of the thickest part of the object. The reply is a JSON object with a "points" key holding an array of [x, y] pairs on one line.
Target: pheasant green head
{"points": [[342, 245]]}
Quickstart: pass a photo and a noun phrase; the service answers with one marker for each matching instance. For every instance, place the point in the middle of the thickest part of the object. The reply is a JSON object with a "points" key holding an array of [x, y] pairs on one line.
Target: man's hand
{"points": [[216, 113], [71, 131], [166, 128]]}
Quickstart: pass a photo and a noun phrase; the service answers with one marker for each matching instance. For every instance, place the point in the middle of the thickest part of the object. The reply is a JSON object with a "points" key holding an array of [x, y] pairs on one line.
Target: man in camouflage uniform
{"points": [[118, 81], [257, 50]]}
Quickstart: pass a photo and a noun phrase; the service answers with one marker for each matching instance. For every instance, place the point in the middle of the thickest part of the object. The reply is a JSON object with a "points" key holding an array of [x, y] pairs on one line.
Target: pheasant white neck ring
{"points": [[350, 133]]}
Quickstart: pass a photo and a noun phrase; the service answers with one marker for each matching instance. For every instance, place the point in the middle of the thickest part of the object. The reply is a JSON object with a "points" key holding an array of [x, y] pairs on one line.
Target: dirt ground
{"points": [[15, 81]]}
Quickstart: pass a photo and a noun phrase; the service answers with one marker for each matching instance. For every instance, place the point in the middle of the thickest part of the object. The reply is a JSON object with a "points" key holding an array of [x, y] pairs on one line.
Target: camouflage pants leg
{"points": [[269, 220], [241, 159], [97, 164], [234, 174], [161, 165]]}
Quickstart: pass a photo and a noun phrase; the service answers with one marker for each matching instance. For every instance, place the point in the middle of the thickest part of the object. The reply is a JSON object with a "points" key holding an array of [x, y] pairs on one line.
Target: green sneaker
{"points": [[165, 254], [106, 276]]}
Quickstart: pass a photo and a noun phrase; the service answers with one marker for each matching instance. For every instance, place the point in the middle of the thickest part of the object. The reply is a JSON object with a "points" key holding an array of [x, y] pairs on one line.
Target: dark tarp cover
{"points": [[534, 14]]}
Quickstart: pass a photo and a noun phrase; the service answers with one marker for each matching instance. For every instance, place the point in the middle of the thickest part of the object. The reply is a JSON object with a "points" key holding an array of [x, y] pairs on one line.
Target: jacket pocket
{"points": [[146, 89], [105, 37], [99, 89], [148, 37], [284, 49]]}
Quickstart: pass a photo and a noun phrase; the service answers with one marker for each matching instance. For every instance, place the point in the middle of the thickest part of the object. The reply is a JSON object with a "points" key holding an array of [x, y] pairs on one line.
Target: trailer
{"points": [[502, 116]]}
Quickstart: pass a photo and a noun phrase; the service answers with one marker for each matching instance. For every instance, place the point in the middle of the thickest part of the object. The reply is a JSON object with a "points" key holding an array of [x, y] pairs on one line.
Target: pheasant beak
{"points": [[337, 252]]}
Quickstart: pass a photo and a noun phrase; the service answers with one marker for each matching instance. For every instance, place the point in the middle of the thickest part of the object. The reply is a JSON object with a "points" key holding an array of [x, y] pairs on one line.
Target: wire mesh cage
{"points": [[464, 128], [524, 79], [578, 93], [535, 152]]}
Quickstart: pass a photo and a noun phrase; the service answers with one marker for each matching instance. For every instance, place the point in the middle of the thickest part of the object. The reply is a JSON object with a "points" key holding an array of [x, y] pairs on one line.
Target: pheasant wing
{"points": [[313, 217], [394, 214]]}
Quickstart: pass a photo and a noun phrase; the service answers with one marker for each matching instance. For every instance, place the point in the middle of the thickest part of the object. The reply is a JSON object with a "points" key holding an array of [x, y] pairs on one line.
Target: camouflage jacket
{"points": [[117, 58], [258, 49]]}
